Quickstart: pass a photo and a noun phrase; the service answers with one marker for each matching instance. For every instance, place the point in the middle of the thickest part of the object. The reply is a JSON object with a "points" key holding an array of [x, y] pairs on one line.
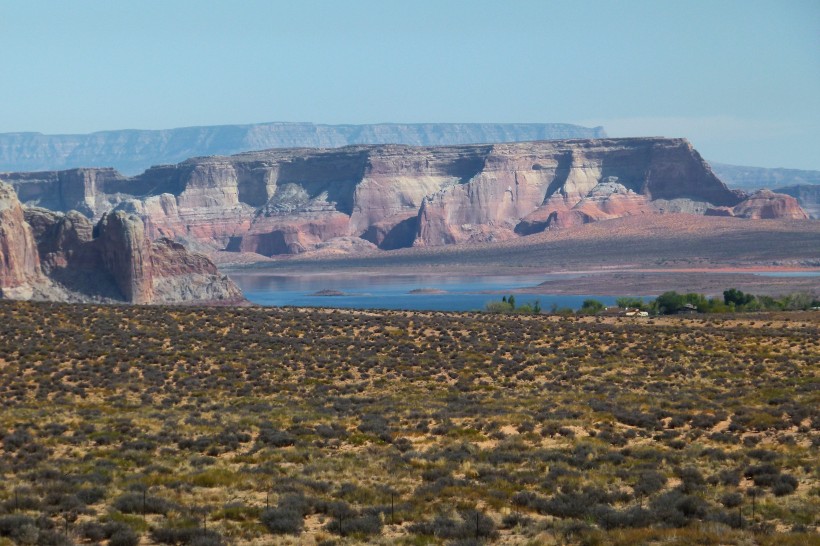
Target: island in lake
{"points": [[329, 292], [428, 291]]}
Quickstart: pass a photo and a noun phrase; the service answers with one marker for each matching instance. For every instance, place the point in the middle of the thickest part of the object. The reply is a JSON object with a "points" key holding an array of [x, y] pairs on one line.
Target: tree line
{"points": [[671, 302]]}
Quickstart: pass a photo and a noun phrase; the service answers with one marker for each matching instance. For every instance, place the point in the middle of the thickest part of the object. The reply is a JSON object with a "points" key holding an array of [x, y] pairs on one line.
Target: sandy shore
{"points": [[708, 282]]}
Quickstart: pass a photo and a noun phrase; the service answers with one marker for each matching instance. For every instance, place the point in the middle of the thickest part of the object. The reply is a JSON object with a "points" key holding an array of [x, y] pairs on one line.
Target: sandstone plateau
{"points": [[63, 256], [290, 201]]}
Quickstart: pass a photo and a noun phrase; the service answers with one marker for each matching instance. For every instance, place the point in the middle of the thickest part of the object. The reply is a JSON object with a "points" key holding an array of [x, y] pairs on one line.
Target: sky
{"points": [[740, 79]]}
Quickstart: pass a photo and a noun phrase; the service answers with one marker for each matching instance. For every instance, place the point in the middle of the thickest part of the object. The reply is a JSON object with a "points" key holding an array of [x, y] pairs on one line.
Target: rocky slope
{"points": [[764, 205], [802, 185], [807, 195], [133, 151], [296, 200], [63, 256]]}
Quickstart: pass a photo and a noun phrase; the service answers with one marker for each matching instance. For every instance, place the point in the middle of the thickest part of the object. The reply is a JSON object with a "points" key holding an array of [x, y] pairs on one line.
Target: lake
{"points": [[460, 293]]}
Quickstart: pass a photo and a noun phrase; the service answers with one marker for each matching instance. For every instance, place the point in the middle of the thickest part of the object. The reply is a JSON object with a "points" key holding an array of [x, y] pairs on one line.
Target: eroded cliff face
{"points": [[763, 205], [808, 197], [296, 200], [59, 256], [125, 251], [84, 190], [526, 188], [19, 261], [180, 276]]}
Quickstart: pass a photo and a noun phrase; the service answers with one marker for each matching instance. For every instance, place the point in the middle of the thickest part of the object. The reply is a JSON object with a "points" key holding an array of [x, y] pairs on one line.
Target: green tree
{"points": [[498, 307], [669, 303], [630, 303], [591, 307], [736, 297], [797, 300], [698, 300]]}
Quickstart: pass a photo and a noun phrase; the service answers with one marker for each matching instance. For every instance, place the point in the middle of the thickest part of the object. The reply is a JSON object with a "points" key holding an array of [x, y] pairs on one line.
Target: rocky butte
{"points": [[63, 256], [289, 201]]}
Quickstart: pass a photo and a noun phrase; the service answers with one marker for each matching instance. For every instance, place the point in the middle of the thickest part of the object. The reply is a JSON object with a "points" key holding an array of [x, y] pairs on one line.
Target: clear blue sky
{"points": [[740, 79]]}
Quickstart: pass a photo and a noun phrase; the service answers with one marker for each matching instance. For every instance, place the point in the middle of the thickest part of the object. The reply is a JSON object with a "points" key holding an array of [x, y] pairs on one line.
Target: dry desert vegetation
{"points": [[160, 425]]}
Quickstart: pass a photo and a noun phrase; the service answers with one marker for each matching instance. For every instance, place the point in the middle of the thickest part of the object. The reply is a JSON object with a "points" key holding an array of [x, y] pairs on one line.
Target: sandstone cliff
{"points": [[802, 185], [56, 256], [295, 200], [125, 251], [807, 195], [763, 205], [19, 262]]}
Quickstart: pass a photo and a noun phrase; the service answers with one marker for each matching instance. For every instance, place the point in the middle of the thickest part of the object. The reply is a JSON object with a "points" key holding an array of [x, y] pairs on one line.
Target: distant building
{"points": [[623, 312], [636, 313]]}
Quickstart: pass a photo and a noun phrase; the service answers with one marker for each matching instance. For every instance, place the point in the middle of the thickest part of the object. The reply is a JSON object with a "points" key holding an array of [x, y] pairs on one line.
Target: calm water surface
{"points": [[462, 293]]}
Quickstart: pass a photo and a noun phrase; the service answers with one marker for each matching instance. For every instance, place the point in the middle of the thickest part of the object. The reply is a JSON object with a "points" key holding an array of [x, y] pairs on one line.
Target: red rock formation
{"points": [[50, 255], [605, 201], [293, 234], [85, 190], [765, 204], [719, 211], [158, 272], [126, 253], [63, 240], [291, 201], [527, 187], [180, 276], [19, 261]]}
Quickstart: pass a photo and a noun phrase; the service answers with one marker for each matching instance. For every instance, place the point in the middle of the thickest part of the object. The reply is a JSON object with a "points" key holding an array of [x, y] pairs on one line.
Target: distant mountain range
{"points": [[133, 151], [802, 185], [753, 178]]}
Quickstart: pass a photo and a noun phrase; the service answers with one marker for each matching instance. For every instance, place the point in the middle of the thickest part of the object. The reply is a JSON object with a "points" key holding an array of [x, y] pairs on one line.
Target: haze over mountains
{"points": [[133, 151], [754, 178]]}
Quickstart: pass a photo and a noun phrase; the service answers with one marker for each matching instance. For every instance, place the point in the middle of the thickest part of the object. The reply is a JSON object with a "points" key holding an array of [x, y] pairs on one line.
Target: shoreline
{"points": [[589, 282], [269, 268]]}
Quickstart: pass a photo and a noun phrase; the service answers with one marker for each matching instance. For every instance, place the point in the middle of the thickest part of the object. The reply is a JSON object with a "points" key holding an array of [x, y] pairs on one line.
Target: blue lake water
{"points": [[462, 293]]}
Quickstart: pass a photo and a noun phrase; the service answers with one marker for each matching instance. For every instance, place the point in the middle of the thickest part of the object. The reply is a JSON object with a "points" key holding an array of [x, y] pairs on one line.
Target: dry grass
{"points": [[541, 429]]}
